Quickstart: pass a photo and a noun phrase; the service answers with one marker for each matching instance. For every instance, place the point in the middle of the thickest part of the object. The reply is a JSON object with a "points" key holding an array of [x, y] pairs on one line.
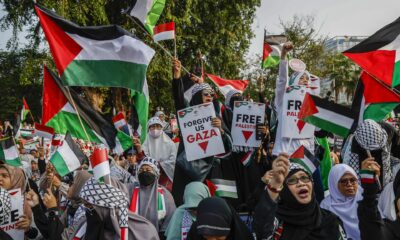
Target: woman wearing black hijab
{"points": [[216, 220], [185, 171], [289, 210]]}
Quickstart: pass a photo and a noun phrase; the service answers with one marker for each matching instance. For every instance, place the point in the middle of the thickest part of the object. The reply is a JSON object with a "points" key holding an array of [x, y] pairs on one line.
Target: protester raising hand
{"points": [[287, 47], [371, 165], [49, 200], [176, 68], [275, 177], [32, 198]]}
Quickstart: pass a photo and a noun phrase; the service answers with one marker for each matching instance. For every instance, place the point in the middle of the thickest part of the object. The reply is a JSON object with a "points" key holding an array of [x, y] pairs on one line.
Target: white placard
{"points": [[199, 137], [292, 127], [17, 210], [246, 115]]}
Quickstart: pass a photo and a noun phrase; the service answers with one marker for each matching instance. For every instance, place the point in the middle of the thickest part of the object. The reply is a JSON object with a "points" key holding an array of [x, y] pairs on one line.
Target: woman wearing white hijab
{"points": [[345, 193], [160, 147]]}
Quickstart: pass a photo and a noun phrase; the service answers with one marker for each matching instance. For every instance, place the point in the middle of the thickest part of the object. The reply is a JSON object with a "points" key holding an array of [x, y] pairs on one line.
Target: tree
{"points": [[222, 37]]}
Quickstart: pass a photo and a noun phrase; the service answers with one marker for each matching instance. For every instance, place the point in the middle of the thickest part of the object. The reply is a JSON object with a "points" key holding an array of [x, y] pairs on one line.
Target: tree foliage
{"points": [[221, 30]]}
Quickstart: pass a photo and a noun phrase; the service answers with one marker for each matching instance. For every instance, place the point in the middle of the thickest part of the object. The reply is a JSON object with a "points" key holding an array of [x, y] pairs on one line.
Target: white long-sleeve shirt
{"points": [[282, 143]]}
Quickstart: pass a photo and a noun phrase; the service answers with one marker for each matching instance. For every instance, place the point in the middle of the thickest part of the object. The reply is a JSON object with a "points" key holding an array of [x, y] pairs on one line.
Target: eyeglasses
{"points": [[346, 181], [295, 180], [208, 93]]}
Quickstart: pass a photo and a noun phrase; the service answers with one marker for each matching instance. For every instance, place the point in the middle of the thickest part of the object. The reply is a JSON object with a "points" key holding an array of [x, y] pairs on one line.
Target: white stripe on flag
{"points": [[226, 188], [11, 153], [225, 89], [69, 157], [68, 108], [43, 134], [124, 48], [120, 123], [309, 164], [339, 119], [141, 9], [101, 169], [164, 36]]}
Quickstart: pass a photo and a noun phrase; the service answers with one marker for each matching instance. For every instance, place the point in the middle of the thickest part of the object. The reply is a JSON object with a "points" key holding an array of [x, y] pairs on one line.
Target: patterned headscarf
{"points": [[154, 120], [104, 195], [229, 96], [200, 87], [370, 135], [5, 205], [152, 163]]}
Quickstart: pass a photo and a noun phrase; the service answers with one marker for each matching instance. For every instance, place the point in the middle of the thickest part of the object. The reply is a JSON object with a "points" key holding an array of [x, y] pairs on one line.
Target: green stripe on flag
{"points": [[396, 74], [105, 73], [64, 122], [16, 162], [59, 164], [142, 108], [328, 126], [270, 61], [378, 111], [326, 162], [153, 15], [226, 194]]}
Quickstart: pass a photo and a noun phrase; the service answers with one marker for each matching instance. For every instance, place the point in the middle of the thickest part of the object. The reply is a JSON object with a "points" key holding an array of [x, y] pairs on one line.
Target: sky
{"points": [[332, 17]]}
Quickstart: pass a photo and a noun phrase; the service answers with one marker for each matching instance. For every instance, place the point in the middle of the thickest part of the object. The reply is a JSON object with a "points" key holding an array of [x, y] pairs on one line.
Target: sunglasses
{"points": [[208, 93], [295, 180], [346, 181]]}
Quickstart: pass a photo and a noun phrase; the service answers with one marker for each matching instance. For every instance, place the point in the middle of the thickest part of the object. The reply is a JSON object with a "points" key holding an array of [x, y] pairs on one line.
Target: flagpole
{"points": [[175, 46], [158, 44], [77, 113]]}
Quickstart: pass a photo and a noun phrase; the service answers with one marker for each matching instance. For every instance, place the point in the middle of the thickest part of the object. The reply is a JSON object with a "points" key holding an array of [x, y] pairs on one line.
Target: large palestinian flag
{"points": [[59, 113], [272, 50], [326, 115], [373, 100], [100, 56], [225, 85], [379, 55]]}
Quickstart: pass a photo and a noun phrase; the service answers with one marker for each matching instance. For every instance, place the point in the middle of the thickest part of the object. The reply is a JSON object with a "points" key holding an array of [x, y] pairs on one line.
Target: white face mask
{"points": [[155, 133]]}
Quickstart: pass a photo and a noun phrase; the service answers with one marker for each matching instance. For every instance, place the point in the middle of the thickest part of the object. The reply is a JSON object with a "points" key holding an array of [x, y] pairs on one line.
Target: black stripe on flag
{"points": [[93, 118], [104, 32], [381, 38], [331, 106]]}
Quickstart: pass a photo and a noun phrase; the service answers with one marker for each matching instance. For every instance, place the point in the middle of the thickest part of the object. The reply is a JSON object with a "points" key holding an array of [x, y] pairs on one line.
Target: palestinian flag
{"points": [[25, 110], [379, 55], [101, 56], [43, 131], [222, 188], [326, 115], [372, 99], [272, 50], [99, 163], [164, 31], [141, 102], [367, 176], [226, 85], [120, 123], [59, 113], [9, 152], [305, 158], [68, 156], [326, 161], [147, 12]]}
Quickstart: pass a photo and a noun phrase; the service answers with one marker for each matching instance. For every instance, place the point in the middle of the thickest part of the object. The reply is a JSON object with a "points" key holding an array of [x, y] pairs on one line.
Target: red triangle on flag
{"points": [[299, 153], [26, 107], [308, 107], [63, 48], [53, 98], [204, 145], [239, 85], [379, 63], [300, 125], [211, 187], [266, 51], [247, 134], [375, 92]]}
